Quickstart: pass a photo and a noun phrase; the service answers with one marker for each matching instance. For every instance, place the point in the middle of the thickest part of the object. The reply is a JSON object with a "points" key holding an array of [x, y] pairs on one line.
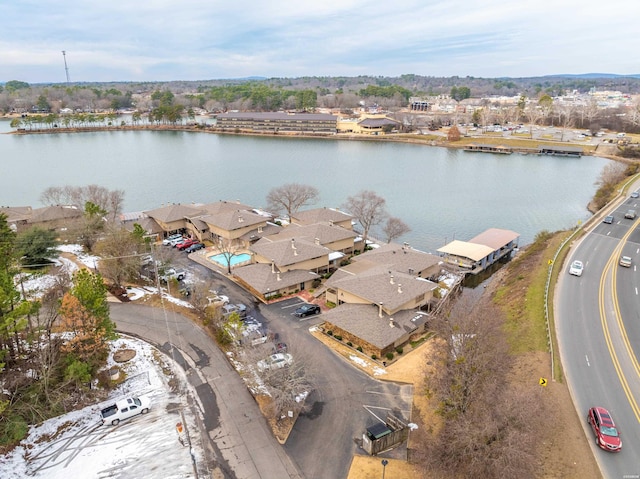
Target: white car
{"points": [[171, 238], [275, 361], [576, 268], [218, 299]]}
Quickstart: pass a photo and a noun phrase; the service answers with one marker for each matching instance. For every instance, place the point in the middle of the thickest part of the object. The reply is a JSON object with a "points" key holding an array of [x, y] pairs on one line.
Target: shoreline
{"points": [[427, 140]]}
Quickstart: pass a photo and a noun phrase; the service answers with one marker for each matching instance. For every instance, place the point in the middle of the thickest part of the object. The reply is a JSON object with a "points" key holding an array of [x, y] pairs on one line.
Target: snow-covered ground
{"points": [[77, 445]]}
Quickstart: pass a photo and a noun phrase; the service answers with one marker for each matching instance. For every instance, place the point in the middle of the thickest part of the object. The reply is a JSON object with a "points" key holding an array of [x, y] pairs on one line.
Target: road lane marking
{"points": [[611, 267], [586, 356]]}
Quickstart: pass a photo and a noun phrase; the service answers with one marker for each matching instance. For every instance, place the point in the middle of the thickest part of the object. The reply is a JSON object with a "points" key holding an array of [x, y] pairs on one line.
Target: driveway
{"points": [[345, 402], [239, 438]]}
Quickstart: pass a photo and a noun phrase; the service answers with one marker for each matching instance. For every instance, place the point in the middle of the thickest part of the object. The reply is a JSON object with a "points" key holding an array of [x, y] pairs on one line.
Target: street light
{"points": [[384, 466]]}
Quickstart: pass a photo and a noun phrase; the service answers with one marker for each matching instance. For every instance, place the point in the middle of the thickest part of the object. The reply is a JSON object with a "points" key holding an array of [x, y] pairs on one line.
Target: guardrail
{"points": [[587, 224]]}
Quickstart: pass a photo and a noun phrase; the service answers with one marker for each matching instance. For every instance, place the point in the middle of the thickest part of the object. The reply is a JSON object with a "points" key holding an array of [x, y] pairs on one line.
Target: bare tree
{"points": [[394, 228], [369, 209], [291, 197], [287, 386], [120, 251], [486, 429], [228, 248], [109, 201]]}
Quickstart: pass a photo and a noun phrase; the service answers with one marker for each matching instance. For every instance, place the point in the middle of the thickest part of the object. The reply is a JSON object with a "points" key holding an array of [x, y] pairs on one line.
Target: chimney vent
{"points": [[317, 240], [399, 288], [391, 279], [391, 322], [240, 219], [278, 276]]}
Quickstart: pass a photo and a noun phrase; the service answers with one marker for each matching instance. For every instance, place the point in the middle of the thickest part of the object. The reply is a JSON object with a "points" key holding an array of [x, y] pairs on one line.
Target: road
{"points": [[599, 335], [241, 441]]}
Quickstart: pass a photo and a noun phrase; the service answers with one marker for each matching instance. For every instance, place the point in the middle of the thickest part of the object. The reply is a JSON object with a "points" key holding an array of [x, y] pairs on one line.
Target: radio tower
{"points": [[66, 68]]}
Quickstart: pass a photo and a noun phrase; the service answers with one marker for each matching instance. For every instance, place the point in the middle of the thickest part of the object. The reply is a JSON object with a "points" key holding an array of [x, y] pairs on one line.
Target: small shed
{"points": [[383, 436]]}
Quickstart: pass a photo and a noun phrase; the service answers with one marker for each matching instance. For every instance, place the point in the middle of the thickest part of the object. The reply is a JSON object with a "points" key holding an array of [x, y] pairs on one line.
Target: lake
{"points": [[442, 194]]}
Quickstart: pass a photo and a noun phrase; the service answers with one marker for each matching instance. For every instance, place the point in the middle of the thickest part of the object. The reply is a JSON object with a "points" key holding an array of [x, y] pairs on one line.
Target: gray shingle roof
{"points": [[325, 232], [363, 321], [400, 258], [170, 213], [269, 229], [221, 206], [378, 285], [283, 254], [231, 220], [319, 215], [262, 278], [16, 213], [277, 116], [53, 213]]}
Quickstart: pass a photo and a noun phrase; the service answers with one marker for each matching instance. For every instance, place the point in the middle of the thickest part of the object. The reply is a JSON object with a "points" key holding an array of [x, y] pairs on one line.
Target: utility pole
{"points": [[66, 68]]}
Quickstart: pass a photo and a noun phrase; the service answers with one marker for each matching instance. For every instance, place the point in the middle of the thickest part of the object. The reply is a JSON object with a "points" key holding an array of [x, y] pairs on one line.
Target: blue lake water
{"points": [[442, 194]]}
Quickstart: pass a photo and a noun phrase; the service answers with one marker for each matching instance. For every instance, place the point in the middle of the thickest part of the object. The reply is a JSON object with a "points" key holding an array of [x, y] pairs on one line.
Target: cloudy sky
{"points": [[132, 40]]}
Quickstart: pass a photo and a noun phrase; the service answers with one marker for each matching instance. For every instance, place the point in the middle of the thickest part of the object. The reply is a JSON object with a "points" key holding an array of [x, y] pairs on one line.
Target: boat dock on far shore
{"points": [[547, 150]]}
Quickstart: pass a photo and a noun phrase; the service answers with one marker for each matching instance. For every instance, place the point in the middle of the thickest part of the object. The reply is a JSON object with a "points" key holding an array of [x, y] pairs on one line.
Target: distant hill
{"points": [[594, 75]]}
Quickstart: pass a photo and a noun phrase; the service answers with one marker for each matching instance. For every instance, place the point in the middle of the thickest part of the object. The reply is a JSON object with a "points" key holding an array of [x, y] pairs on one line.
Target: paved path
{"points": [[241, 439]]}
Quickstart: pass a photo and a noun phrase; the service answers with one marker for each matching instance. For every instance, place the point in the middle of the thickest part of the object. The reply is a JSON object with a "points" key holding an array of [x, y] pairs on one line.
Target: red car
{"points": [[185, 244], [607, 436]]}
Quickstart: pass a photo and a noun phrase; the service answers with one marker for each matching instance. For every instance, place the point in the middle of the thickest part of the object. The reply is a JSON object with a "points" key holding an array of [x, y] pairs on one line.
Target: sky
{"points": [[162, 40]]}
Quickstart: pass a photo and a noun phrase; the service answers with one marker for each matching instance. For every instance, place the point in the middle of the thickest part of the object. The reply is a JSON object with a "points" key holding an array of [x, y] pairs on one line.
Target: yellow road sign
{"points": [[543, 382]]}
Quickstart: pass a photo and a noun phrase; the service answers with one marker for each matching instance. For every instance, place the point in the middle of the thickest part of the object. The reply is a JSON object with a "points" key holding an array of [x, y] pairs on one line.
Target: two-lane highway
{"points": [[599, 335]]}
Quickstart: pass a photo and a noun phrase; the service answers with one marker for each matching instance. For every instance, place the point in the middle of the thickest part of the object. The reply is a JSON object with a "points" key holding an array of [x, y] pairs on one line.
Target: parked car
{"points": [[280, 348], [185, 244], [607, 435], [630, 214], [307, 310], [171, 238], [176, 241], [635, 194], [146, 260], [576, 268], [229, 309], [275, 361], [219, 299], [608, 219], [625, 261], [194, 247], [125, 409]]}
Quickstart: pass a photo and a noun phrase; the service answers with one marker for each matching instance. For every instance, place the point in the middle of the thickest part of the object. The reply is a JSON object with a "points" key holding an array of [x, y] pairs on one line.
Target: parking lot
{"points": [[344, 402]]}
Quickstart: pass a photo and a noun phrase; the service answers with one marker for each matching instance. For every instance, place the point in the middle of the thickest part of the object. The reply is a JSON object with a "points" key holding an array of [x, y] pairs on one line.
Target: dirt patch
{"points": [[281, 427]]}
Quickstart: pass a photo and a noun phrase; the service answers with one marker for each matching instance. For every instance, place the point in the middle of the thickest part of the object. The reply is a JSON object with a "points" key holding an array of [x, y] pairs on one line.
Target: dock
{"points": [[546, 150]]}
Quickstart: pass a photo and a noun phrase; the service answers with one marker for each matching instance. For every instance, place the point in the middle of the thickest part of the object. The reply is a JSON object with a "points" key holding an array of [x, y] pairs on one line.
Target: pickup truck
{"points": [[172, 273], [124, 409]]}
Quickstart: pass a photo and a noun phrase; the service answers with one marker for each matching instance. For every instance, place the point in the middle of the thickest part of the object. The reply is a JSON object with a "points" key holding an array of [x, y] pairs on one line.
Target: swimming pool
{"points": [[221, 259]]}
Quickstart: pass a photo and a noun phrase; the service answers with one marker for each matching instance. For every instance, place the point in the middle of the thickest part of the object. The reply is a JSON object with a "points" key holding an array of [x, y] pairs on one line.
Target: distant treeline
{"points": [[304, 93]]}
